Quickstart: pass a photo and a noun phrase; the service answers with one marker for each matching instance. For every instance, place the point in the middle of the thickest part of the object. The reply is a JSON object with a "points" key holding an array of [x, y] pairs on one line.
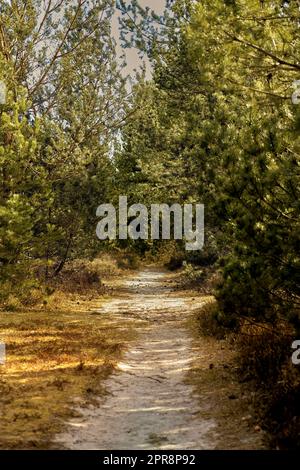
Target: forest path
{"points": [[149, 404]]}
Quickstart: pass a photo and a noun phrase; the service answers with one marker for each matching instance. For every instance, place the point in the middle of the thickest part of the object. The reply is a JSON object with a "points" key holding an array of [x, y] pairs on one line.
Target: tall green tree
{"points": [[66, 102]]}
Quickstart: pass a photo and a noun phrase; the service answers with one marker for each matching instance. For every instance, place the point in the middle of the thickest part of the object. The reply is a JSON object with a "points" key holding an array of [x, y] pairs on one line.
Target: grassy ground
{"points": [[58, 354]]}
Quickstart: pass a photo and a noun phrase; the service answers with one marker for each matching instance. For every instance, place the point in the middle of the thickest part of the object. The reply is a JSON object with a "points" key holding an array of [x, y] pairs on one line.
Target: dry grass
{"points": [[52, 360], [58, 354], [222, 397], [265, 361], [252, 366]]}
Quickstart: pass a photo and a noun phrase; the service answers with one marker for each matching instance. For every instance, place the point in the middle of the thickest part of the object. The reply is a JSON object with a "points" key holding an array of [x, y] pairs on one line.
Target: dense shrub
{"points": [[209, 321]]}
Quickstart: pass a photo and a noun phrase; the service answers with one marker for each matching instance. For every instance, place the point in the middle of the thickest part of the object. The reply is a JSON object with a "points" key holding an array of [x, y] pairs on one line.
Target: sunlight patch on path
{"points": [[149, 404]]}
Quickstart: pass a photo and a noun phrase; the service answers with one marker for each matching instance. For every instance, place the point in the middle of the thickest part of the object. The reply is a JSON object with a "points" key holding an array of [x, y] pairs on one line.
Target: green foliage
{"points": [[65, 103], [218, 126], [18, 155]]}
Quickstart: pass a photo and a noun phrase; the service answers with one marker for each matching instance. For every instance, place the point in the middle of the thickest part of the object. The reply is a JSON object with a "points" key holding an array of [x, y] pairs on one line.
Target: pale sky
{"points": [[133, 60]]}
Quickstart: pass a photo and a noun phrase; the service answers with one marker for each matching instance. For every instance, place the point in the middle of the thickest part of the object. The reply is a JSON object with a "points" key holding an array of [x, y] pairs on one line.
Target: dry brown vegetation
{"points": [[222, 396], [264, 355], [257, 358], [59, 351]]}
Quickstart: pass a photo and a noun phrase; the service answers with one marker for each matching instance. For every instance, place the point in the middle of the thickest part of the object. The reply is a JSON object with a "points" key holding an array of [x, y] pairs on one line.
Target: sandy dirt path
{"points": [[149, 404]]}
